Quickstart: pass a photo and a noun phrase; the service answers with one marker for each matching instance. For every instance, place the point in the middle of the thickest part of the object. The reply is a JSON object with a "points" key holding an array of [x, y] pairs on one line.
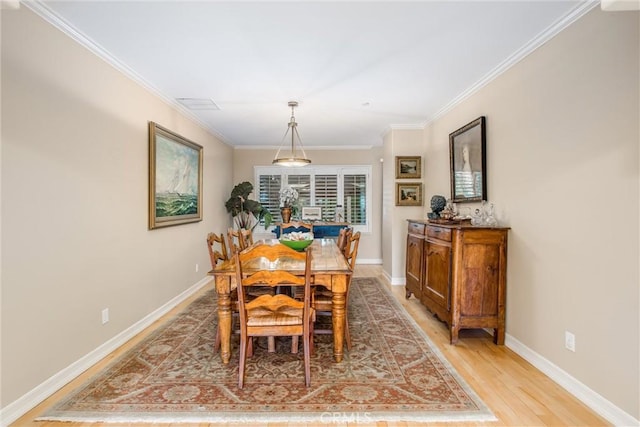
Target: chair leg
{"points": [[271, 344], [294, 344], [244, 343], [216, 343], [307, 359], [347, 334]]}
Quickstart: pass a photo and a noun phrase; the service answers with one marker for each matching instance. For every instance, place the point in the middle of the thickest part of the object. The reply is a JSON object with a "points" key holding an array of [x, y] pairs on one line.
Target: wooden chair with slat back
{"points": [[343, 239], [220, 254], [238, 240], [322, 297], [274, 315], [289, 227]]}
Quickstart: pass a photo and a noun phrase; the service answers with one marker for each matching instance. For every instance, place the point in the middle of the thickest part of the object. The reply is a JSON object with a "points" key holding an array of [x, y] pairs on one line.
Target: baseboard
{"points": [[369, 261], [394, 281], [31, 399], [593, 400]]}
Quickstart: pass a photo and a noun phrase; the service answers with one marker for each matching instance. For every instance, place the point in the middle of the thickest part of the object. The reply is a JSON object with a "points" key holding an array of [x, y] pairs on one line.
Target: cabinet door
{"points": [[414, 265], [438, 268]]}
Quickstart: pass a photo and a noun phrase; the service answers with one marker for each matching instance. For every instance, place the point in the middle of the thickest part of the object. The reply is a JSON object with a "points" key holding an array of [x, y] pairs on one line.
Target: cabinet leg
{"points": [[454, 335], [407, 294], [498, 336]]}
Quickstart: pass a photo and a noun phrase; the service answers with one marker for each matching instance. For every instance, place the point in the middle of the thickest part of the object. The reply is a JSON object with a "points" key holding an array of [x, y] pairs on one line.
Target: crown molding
{"points": [[40, 8], [546, 35]]}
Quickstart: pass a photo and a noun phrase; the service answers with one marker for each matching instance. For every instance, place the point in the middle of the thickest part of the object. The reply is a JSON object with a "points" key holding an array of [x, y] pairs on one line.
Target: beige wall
{"points": [[562, 165], [74, 204], [400, 142], [369, 249]]}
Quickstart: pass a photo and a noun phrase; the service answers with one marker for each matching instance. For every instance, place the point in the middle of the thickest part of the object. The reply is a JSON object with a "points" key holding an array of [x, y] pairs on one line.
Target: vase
{"points": [[286, 214]]}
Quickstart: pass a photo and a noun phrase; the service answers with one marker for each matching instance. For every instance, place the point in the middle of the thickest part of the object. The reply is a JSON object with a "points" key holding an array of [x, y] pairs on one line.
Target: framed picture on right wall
{"points": [[467, 148]]}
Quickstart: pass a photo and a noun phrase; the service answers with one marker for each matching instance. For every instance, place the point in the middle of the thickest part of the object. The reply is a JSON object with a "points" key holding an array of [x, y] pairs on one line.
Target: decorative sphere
{"points": [[438, 204]]}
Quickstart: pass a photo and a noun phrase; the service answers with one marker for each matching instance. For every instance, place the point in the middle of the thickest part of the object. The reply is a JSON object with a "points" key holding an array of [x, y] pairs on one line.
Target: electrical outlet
{"points": [[197, 268], [105, 316], [569, 341]]}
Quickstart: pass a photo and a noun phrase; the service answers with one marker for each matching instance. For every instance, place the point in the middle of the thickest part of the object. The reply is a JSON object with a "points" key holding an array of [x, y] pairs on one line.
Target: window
{"points": [[325, 186]]}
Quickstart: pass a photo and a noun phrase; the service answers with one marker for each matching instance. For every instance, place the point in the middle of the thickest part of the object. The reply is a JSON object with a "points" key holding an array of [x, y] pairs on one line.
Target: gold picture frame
{"points": [[175, 178], [408, 194], [408, 167]]}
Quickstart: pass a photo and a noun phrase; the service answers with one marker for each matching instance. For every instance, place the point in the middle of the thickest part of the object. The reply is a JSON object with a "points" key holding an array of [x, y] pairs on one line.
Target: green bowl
{"points": [[298, 245]]}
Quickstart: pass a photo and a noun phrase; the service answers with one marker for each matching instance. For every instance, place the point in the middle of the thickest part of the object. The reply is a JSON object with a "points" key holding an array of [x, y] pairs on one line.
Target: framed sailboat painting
{"points": [[175, 178]]}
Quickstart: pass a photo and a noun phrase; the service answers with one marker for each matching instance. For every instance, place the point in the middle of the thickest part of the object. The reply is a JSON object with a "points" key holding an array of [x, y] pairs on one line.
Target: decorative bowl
{"points": [[297, 240], [298, 245]]}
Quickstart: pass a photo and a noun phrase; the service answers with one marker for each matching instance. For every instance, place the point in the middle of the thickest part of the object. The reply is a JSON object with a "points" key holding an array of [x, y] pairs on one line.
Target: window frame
{"points": [[339, 170]]}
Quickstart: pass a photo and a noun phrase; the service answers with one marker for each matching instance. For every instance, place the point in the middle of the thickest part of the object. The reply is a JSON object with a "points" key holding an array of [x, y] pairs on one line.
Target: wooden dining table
{"points": [[328, 267]]}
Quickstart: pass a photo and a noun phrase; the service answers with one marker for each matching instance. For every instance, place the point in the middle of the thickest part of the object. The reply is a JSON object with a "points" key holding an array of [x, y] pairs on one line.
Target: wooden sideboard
{"points": [[458, 271]]}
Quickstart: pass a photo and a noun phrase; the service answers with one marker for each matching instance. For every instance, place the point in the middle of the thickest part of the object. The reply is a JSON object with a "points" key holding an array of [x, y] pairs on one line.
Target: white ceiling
{"points": [[356, 68]]}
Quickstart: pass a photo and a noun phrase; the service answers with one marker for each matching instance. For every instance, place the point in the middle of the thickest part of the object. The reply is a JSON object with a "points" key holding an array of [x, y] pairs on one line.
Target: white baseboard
{"points": [[593, 400], [394, 281], [31, 399], [368, 261]]}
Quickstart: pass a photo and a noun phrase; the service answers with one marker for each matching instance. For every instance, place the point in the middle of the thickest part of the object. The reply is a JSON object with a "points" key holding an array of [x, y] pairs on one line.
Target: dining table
{"points": [[329, 268]]}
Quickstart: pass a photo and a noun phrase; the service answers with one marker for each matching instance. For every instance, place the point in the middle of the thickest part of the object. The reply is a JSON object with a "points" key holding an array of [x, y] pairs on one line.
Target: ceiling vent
{"points": [[198, 103]]}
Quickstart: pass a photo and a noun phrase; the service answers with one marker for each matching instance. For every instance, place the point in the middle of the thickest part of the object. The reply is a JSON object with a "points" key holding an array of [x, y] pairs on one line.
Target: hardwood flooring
{"points": [[516, 392]]}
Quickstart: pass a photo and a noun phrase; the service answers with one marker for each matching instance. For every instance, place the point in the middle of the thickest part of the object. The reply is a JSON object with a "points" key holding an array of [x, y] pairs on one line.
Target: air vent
{"points": [[198, 103]]}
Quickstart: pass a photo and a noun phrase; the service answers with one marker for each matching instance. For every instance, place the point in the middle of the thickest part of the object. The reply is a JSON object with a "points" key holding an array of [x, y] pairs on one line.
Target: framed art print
{"points": [[175, 178]]}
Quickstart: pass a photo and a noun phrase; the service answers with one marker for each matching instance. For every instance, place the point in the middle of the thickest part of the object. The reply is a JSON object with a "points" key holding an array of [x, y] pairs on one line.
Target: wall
{"points": [[369, 250], [400, 142], [74, 204], [562, 165]]}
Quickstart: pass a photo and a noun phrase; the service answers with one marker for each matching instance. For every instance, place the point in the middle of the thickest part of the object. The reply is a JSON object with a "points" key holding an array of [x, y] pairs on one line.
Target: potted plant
{"points": [[246, 213], [288, 199]]}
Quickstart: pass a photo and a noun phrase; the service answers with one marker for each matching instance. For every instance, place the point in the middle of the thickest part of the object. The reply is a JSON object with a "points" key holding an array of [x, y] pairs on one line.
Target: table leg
{"points": [[337, 314], [223, 288]]}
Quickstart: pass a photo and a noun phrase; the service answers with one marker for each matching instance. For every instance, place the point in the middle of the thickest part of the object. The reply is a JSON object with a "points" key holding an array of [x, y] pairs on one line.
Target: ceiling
{"points": [[356, 68]]}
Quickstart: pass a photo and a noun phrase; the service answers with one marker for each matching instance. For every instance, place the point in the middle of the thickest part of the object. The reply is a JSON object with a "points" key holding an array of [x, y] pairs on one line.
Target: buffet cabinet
{"points": [[458, 271]]}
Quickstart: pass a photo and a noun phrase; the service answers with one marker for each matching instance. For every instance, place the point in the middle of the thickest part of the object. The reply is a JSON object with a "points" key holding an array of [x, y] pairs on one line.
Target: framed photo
{"points": [[467, 148], [409, 194], [408, 167], [175, 178], [312, 213]]}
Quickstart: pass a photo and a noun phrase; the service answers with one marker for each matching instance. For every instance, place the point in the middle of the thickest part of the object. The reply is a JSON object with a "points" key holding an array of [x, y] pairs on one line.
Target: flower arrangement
{"points": [[288, 197]]}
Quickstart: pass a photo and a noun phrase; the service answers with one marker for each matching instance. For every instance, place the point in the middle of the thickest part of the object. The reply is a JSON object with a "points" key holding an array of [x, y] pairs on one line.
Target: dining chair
{"points": [[239, 239], [343, 239], [278, 314], [322, 297], [217, 253], [298, 226]]}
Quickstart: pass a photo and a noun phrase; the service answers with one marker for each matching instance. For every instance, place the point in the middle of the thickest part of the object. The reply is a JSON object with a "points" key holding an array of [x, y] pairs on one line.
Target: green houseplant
{"points": [[246, 212]]}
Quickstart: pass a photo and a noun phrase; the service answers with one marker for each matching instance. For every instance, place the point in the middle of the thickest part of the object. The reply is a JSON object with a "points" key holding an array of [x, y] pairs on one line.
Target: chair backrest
{"points": [[239, 240], [217, 254], [351, 250], [273, 278], [289, 227], [343, 239]]}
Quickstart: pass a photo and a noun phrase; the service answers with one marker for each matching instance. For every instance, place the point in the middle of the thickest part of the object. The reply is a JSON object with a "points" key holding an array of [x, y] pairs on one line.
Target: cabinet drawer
{"points": [[440, 233], [416, 228]]}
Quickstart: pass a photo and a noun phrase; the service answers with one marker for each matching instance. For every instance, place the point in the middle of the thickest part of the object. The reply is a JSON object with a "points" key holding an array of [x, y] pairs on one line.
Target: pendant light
{"points": [[292, 160]]}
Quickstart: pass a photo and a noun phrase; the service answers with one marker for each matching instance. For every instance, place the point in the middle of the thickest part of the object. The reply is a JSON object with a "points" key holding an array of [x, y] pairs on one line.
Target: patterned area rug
{"points": [[393, 373]]}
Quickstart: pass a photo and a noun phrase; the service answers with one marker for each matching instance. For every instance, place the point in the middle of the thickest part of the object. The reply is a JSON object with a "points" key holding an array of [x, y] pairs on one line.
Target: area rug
{"points": [[392, 373]]}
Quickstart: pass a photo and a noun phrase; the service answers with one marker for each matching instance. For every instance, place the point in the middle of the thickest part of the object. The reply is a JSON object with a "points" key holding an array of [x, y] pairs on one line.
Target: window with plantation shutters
{"points": [[302, 184], [269, 194], [320, 186], [355, 199], [326, 195]]}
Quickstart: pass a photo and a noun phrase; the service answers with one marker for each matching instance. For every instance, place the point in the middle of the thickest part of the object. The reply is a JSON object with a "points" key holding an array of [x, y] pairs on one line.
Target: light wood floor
{"points": [[516, 392]]}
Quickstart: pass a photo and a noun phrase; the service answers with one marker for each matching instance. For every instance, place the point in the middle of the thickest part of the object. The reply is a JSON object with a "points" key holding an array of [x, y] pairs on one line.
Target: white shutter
{"points": [[355, 199], [326, 195], [269, 194]]}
